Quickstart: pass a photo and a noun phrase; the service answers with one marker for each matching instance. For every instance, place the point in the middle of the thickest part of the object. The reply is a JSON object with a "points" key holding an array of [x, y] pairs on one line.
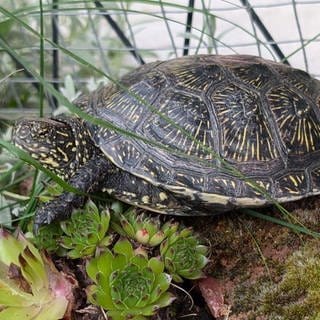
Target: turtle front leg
{"points": [[87, 179]]}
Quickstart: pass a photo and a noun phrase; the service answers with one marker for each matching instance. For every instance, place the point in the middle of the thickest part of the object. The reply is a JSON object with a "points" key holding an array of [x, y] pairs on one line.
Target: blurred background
{"points": [[117, 36]]}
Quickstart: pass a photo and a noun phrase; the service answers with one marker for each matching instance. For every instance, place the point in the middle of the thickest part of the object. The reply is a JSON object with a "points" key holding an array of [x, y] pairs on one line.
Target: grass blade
{"points": [[294, 227]]}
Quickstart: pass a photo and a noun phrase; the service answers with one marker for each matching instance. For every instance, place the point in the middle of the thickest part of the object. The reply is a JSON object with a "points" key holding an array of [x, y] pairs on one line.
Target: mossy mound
{"points": [[297, 295]]}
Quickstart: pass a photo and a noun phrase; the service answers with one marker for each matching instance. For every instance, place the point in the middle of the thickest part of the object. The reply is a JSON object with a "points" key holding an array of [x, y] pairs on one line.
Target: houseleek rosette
{"points": [[31, 288], [142, 228], [128, 285], [183, 255], [86, 232]]}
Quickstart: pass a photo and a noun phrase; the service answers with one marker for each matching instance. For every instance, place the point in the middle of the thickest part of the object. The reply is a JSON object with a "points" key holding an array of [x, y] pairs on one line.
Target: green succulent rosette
{"points": [[142, 228], [183, 255], [30, 285], [128, 285], [85, 234]]}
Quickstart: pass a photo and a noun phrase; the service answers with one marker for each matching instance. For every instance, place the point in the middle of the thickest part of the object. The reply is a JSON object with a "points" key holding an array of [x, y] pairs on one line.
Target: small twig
{"points": [[15, 196], [187, 294], [104, 313], [10, 74], [188, 315]]}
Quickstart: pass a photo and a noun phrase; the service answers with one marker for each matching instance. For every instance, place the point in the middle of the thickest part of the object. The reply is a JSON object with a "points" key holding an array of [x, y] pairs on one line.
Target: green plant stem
{"points": [[15, 196]]}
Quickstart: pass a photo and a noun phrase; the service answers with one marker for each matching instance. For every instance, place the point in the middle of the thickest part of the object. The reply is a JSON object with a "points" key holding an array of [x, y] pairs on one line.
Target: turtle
{"points": [[194, 135]]}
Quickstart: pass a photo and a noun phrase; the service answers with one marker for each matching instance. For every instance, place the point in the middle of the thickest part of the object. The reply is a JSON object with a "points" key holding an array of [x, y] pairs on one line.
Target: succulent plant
{"points": [[144, 229], [30, 285], [128, 285], [85, 234], [183, 255], [48, 238]]}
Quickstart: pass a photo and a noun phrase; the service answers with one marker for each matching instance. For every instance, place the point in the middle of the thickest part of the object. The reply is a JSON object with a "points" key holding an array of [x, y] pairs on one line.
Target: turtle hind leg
{"points": [[138, 192], [87, 179]]}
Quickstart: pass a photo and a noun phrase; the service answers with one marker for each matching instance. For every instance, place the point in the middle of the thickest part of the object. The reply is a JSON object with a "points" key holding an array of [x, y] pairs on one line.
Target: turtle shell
{"points": [[231, 130]]}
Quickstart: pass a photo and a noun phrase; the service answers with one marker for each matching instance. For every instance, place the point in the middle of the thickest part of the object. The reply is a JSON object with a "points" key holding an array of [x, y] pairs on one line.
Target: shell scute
{"points": [[205, 111], [246, 135], [291, 184], [296, 120]]}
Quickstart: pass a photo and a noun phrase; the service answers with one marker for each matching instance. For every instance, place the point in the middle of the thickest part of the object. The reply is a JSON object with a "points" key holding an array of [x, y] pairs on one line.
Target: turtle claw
{"points": [[44, 216], [56, 210]]}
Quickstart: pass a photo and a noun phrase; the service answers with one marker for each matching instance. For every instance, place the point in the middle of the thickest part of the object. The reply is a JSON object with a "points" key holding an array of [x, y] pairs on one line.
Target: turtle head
{"points": [[62, 144]]}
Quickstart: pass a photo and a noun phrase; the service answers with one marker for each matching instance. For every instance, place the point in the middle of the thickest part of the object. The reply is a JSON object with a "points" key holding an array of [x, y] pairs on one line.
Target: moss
{"points": [[297, 295]]}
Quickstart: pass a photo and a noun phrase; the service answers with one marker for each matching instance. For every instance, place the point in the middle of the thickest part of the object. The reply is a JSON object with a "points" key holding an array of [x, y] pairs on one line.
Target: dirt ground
{"points": [[261, 270]]}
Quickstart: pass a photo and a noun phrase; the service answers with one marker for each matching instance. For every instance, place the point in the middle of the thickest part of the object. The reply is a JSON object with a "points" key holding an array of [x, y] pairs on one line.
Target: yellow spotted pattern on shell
{"points": [[206, 111]]}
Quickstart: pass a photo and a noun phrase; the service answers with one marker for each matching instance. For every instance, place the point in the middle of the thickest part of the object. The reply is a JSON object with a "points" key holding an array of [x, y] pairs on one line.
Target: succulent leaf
{"points": [[142, 228], [85, 233], [9, 248], [48, 238], [156, 265], [131, 286], [30, 285], [124, 247], [184, 256]]}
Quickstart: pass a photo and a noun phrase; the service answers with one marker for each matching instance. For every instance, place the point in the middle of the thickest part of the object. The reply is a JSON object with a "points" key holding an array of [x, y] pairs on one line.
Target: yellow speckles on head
{"points": [[49, 161], [108, 190], [163, 196], [64, 134], [129, 194], [64, 155], [145, 199]]}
